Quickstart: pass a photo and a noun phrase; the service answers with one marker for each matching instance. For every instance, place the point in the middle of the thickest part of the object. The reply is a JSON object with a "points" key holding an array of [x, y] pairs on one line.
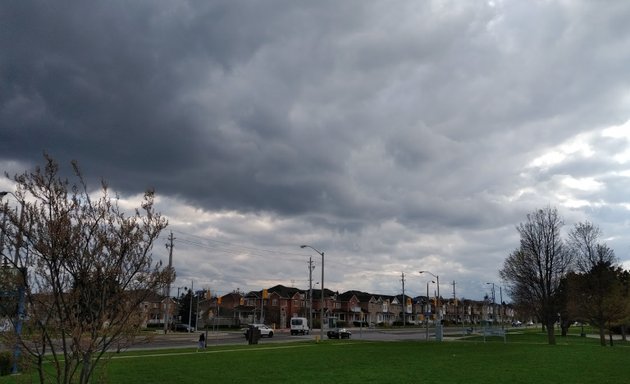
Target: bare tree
{"points": [[588, 252], [87, 267], [594, 289], [534, 271], [596, 295]]}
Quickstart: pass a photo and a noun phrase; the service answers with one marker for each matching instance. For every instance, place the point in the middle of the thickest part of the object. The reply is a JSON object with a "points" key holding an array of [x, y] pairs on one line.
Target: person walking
{"points": [[202, 341]]}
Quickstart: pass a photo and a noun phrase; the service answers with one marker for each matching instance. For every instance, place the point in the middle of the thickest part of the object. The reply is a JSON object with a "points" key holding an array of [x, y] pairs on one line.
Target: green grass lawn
{"points": [[526, 358]]}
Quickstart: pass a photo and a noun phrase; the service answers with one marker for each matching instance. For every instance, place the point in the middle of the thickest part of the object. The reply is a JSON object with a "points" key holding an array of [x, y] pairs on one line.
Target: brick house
{"points": [[350, 311], [278, 304], [153, 310]]}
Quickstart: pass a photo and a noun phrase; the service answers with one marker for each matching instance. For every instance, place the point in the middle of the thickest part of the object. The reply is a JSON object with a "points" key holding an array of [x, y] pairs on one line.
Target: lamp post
{"points": [[321, 307], [493, 304], [310, 295], [310, 305], [437, 278], [22, 283], [501, 311], [500, 304], [192, 291], [426, 311]]}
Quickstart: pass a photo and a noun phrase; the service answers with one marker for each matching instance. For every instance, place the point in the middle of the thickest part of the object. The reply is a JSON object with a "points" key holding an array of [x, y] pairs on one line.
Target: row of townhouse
{"points": [[277, 305]]}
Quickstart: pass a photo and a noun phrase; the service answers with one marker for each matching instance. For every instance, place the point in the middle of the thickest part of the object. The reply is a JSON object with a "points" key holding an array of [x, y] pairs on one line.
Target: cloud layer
{"points": [[395, 136]]}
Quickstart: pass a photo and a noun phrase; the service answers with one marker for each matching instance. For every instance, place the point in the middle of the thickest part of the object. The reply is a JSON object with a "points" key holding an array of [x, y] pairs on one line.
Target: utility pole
{"points": [[457, 317], [426, 314], [455, 300], [5, 260], [501, 310], [168, 287], [404, 304], [192, 290], [494, 315], [310, 294]]}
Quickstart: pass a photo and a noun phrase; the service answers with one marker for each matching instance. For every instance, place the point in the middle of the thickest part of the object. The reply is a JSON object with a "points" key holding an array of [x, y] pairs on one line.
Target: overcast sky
{"points": [[394, 136]]}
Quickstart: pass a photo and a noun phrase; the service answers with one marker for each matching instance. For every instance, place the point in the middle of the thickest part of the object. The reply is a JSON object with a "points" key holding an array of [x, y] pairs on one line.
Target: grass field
{"points": [[526, 358]]}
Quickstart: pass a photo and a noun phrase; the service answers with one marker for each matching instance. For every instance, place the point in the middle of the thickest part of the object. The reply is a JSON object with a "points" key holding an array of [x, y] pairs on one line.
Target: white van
{"points": [[299, 326]]}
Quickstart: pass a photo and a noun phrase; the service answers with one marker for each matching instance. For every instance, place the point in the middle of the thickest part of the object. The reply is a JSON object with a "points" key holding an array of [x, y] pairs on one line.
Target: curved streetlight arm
{"points": [[313, 248], [428, 273]]}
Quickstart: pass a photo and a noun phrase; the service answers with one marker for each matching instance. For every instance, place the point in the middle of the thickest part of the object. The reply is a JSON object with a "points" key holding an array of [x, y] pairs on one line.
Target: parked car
{"points": [[339, 333], [265, 331]]}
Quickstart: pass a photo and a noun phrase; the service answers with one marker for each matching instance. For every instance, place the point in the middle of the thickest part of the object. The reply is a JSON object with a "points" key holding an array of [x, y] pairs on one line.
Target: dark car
{"points": [[339, 333], [265, 331]]}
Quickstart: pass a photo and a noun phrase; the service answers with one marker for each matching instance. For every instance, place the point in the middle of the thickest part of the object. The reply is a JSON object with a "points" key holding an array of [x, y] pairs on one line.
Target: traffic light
{"points": [[219, 300], [265, 293]]}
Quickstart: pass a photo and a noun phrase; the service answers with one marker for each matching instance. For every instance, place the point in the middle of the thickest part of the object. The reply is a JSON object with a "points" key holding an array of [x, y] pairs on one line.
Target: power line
{"points": [[236, 249], [227, 243]]}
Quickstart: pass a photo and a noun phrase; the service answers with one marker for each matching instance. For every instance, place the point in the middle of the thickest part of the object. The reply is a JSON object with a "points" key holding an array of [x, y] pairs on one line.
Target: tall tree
{"points": [[86, 266], [596, 289], [588, 251], [599, 297], [533, 272]]}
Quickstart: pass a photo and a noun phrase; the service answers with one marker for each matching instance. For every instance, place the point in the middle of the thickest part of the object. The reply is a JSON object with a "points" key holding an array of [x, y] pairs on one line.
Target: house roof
{"points": [[233, 295], [362, 296], [284, 292], [280, 290]]}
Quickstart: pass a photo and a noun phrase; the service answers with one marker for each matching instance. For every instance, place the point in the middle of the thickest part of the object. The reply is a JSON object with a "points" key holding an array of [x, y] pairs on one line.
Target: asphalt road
{"points": [[190, 340]]}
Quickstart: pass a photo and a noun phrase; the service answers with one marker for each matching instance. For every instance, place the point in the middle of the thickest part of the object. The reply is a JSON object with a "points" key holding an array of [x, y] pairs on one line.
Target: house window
{"points": [[338, 305], [274, 302]]}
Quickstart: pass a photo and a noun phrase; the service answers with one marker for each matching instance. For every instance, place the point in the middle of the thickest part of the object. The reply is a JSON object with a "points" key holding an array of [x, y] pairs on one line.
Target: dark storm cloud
{"points": [[333, 121]]}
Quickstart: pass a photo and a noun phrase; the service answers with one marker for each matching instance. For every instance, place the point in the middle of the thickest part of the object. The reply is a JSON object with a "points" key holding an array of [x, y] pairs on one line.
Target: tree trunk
{"points": [[565, 328], [86, 368], [551, 336], [602, 336], [610, 336]]}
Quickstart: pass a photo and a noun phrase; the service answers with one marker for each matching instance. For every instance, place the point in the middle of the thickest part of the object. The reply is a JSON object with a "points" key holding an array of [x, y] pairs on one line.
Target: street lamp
{"points": [[192, 291], [437, 278], [310, 303], [493, 304], [426, 312], [321, 307], [501, 311]]}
